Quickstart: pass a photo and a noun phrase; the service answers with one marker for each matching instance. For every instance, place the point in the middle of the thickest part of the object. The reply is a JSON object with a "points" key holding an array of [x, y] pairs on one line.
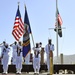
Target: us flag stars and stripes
{"points": [[18, 28], [59, 24], [59, 19]]}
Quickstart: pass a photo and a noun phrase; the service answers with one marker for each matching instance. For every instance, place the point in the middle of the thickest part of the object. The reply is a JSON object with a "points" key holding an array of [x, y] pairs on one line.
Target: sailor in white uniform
{"points": [[2, 46], [14, 53], [5, 57], [49, 48], [36, 58], [19, 58]]}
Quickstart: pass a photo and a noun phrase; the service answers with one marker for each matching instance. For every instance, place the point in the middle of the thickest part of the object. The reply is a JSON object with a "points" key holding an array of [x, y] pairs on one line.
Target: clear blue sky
{"points": [[42, 16]]}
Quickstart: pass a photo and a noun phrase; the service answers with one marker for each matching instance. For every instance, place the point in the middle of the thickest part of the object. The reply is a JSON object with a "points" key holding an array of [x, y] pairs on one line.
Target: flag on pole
{"points": [[18, 28], [26, 36], [59, 25]]}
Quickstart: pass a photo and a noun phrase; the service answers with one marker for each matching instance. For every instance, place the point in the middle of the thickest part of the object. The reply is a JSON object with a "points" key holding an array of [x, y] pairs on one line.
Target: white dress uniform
{"points": [[5, 53], [47, 49], [19, 59], [14, 53], [2, 47], [36, 59]]}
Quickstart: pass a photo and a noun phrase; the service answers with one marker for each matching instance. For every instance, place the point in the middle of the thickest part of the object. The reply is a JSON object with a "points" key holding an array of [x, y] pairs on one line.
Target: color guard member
{"points": [[36, 58], [19, 58]]}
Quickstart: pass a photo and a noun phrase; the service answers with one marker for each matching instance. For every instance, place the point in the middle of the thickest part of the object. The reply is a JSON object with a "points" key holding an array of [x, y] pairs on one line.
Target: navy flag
{"points": [[59, 25], [26, 36]]}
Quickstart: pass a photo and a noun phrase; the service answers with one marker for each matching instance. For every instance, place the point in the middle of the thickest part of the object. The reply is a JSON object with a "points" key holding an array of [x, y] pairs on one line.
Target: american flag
{"points": [[59, 19], [59, 24], [18, 28]]}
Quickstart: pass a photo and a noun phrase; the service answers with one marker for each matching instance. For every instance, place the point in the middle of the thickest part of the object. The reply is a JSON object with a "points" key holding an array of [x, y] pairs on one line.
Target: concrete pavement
{"points": [[32, 73]]}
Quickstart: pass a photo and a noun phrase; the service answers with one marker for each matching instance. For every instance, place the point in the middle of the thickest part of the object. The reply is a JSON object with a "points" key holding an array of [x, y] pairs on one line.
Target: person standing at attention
{"points": [[49, 48], [36, 59], [19, 58]]}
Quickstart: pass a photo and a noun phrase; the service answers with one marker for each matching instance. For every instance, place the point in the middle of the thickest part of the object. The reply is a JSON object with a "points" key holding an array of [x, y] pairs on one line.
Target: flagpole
{"points": [[32, 40], [57, 27]]}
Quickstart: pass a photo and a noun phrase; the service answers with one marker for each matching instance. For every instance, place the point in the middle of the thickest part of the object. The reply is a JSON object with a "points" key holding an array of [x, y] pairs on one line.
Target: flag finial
{"points": [[18, 3], [25, 5]]}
